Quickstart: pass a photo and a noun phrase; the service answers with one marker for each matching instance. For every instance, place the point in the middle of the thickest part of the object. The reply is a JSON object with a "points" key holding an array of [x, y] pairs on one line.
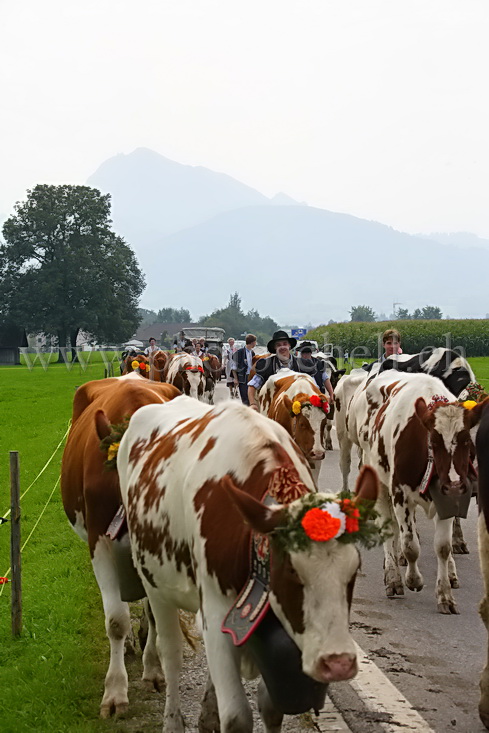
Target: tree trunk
{"points": [[73, 336], [61, 343]]}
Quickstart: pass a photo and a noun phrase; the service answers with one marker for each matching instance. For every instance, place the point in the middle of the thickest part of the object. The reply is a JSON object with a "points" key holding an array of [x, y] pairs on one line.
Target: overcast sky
{"points": [[377, 108]]}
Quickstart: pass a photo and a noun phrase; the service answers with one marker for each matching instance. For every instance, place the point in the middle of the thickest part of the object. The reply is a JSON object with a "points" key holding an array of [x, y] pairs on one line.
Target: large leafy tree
{"points": [[236, 322], [361, 313], [173, 315], [62, 268]]}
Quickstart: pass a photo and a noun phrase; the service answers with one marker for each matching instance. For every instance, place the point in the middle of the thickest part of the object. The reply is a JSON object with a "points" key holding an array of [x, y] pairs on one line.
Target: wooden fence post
{"points": [[16, 606]]}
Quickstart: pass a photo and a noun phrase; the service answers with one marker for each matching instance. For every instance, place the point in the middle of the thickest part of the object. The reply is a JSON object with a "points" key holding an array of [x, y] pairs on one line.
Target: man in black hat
{"points": [[242, 364], [281, 358], [316, 368]]}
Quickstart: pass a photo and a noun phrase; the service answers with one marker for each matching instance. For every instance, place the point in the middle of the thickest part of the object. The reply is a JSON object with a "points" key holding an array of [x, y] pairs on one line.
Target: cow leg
{"points": [[459, 545], [169, 641], [224, 661], [484, 614], [271, 717], [209, 714], [452, 572], [328, 444], [117, 625], [443, 549], [404, 510], [345, 456], [152, 669], [392, 576]]}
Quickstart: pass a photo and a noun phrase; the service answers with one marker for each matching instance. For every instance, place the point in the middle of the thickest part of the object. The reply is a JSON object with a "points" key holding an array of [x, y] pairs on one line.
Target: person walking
{"points": [[279, 347], [152, 348], [242, 364], [227, 362]]}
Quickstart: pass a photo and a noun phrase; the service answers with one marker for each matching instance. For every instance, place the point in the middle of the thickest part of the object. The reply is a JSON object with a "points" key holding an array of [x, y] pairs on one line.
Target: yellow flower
{"points": [[469, 404], [112, 452], [135, 364], [148, 367], [296, 407]]}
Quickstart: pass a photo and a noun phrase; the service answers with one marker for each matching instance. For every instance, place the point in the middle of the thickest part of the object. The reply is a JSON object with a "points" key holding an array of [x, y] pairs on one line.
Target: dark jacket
{"points": [[240, 364], [315, 368]]}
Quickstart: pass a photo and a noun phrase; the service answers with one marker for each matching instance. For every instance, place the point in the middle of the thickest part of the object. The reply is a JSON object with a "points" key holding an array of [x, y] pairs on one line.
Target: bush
{"points": [[472, 335]]}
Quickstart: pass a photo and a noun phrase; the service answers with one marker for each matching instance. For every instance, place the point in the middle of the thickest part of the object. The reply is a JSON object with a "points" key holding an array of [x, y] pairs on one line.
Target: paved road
{"points": [[434, 661]]}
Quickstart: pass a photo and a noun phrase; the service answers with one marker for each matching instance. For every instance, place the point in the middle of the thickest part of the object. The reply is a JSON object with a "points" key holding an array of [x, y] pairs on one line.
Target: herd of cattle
{"points": [[195, 485]]}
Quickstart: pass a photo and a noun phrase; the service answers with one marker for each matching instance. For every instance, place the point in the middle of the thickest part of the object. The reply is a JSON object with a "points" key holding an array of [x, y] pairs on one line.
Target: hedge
{"points": [[470, 335]]}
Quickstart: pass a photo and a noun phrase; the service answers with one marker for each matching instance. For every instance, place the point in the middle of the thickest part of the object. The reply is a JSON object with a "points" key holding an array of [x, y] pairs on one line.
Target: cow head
{"points": [[449, 425], [157, 362], [311, 589], [192, 380], [137, 363], [308, 423]]}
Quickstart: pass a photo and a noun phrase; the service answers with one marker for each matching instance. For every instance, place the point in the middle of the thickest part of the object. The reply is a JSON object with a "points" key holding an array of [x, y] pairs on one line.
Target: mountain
{"points": [[302, 264], [200, 235], [153, 196]]}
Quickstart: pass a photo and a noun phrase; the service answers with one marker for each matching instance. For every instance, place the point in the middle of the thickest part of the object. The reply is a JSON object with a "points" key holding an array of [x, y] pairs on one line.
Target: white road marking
{"points": [[330, 719], [379, 695]]}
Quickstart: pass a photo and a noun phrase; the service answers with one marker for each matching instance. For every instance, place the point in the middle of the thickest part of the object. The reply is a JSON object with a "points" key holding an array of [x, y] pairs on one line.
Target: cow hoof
{"points": [[460, 548], [394, 589], [414, 583], [447, 608], [112, 708], [154, 681], [454, 583]]}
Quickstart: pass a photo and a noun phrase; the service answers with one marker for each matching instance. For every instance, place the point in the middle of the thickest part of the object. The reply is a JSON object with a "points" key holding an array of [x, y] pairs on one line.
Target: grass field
{"points": [[52, 676]]}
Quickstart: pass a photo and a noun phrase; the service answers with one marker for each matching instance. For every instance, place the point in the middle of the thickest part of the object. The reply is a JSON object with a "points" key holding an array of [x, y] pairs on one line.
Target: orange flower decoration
{"points": [[320, 525], [352, 516]]}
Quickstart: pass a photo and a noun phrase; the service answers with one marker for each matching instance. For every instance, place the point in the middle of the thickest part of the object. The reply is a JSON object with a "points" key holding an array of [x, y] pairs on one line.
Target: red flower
{"points": [[4, 580], [315, 400], [326, 406], [320, 525], [352, 516]]}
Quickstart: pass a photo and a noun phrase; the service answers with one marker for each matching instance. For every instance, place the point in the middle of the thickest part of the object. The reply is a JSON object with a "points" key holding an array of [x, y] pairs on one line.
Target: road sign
{"points": [[298, 333]]}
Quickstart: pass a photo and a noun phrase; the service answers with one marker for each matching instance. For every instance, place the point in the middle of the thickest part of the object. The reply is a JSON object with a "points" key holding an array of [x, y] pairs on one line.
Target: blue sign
{"points": [[298, 333]]}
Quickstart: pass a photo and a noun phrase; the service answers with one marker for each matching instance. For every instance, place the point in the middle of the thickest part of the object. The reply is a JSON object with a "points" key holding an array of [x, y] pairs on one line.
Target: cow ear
{"points": [[367, 486], [421, 408], [341, 372], [475, 414], [287, 403], [102, 424], [261, 518]]}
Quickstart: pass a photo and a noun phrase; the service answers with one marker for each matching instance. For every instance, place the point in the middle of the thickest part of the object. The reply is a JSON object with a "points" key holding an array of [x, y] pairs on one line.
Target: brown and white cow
{"points": [[142, 368], [157, 364], [186, 372], [212, 375], [192, 480], [91, 498], [482, 448], [405, 424], [307, 426]]}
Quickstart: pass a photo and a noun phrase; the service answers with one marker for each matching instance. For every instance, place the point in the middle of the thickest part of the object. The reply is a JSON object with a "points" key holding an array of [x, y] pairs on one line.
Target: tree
{"points": [[361, 313], [432, 312], [417, 314], [63, 270], [174, 315], [235, 322], [402, 314]]}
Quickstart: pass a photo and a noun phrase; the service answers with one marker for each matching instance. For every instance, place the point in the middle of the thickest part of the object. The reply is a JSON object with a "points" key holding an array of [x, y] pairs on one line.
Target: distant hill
{"points": [[200, 235], [153, 196], [302, 264]]}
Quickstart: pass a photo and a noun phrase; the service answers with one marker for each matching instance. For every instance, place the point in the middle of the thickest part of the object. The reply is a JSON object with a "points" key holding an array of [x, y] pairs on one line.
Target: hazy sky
{"points": [[377, 108]]}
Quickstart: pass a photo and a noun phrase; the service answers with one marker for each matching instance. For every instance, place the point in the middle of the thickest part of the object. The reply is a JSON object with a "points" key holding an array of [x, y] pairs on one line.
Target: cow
{"points": [[448, 365], [482, 449], [138, 363], [417, 436], [91, 499], [343, 395], [212, 375], [186, 372], [294, 401], [192, 479], [334, 375], [157, 364]]}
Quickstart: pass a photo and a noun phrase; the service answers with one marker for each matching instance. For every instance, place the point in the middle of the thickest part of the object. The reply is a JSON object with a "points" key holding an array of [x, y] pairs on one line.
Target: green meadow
{"points": [[51, 676]]}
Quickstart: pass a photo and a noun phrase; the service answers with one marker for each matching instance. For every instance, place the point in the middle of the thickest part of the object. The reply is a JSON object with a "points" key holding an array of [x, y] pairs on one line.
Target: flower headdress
{"points": [[320, 519], [142, 365], [110, 444], [314, 401]]}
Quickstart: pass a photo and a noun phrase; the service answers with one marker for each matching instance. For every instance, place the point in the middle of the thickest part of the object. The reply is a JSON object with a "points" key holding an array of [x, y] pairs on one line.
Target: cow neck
{"points": [[429, 471], [252, 603]]}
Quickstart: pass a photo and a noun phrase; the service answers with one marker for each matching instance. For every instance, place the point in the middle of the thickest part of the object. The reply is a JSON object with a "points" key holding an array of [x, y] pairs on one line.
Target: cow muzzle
{"points": [[454, 488], [316, 455], [336, 668]]}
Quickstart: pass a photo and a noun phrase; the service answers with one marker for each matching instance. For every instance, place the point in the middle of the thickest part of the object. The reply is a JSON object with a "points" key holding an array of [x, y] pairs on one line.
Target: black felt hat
{"points": [[306, 346], [280, 336]]}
